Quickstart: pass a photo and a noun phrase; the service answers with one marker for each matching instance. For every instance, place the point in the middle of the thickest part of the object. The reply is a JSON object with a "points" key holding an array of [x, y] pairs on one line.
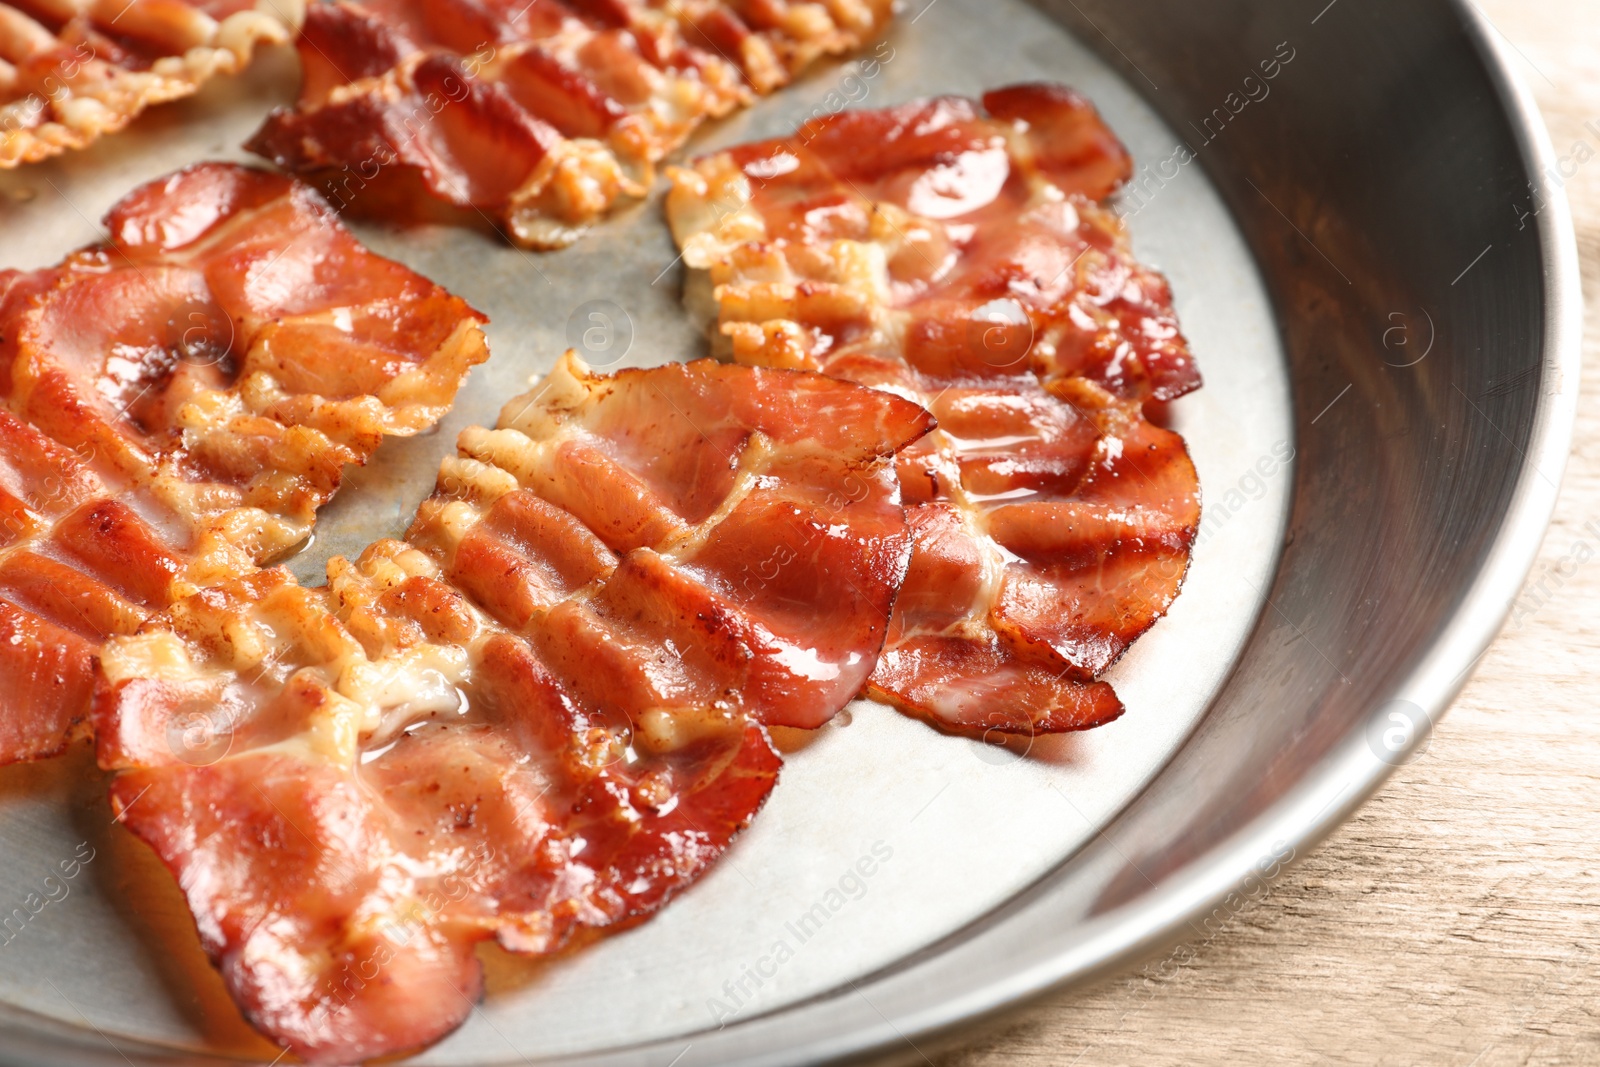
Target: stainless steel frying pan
{"points": [[1357, 206]]}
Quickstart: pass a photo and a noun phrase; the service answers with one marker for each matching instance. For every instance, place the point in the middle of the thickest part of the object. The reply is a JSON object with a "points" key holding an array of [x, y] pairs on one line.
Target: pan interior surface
{"points": [[883, 837]]}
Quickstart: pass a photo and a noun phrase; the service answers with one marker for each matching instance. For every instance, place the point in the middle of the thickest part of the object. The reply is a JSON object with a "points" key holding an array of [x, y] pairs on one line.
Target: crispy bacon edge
{"points": [[71, 74], [574, 800], [110, 515], [962, 255], [546, 141]]}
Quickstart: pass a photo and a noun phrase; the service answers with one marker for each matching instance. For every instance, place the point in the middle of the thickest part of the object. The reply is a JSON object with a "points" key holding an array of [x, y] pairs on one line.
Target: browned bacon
{"points": [[71, 70], [541, 114], [177, 402], [959, 255], [542, 715]]}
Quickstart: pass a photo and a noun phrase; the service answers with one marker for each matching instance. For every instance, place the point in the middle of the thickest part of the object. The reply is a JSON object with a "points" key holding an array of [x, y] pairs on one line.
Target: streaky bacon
{"points": [[540, 716], [541, 114], [72, 70], [176, 403], [959, 254]]}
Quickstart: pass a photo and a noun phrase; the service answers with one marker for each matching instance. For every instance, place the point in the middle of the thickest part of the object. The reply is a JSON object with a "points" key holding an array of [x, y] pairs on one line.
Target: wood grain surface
{"points": [[1456, 919]]}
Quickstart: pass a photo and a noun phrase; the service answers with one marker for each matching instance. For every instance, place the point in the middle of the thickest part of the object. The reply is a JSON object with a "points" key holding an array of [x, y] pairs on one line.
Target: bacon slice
{"points": [[175, 405], [543, 715], [71, 70], [542, 115], [959, 255]]}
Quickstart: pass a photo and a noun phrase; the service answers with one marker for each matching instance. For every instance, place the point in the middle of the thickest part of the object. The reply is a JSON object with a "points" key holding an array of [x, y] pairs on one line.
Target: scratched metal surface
{"points": [[954, 828]]}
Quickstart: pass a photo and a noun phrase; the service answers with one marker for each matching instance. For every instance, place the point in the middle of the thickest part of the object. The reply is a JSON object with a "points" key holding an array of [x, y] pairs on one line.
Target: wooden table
{"points": [[1456, 919]]}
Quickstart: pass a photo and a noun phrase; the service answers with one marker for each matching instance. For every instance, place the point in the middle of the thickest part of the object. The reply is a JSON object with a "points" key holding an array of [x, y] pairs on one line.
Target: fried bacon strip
{"points": [[541, 114], [175, 405], [71, 70], [542, 715], [959, 255]]}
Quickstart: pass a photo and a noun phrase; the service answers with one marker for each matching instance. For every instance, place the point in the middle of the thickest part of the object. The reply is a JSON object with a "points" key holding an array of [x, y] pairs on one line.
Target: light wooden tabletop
{"points": [[1456, 919]]}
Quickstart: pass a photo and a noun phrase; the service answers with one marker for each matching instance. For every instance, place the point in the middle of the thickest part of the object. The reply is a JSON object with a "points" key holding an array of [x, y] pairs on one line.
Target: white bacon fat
{"points": [[175, 404], [543, 115], [958, 253], [72, 70], [542, 714]]}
